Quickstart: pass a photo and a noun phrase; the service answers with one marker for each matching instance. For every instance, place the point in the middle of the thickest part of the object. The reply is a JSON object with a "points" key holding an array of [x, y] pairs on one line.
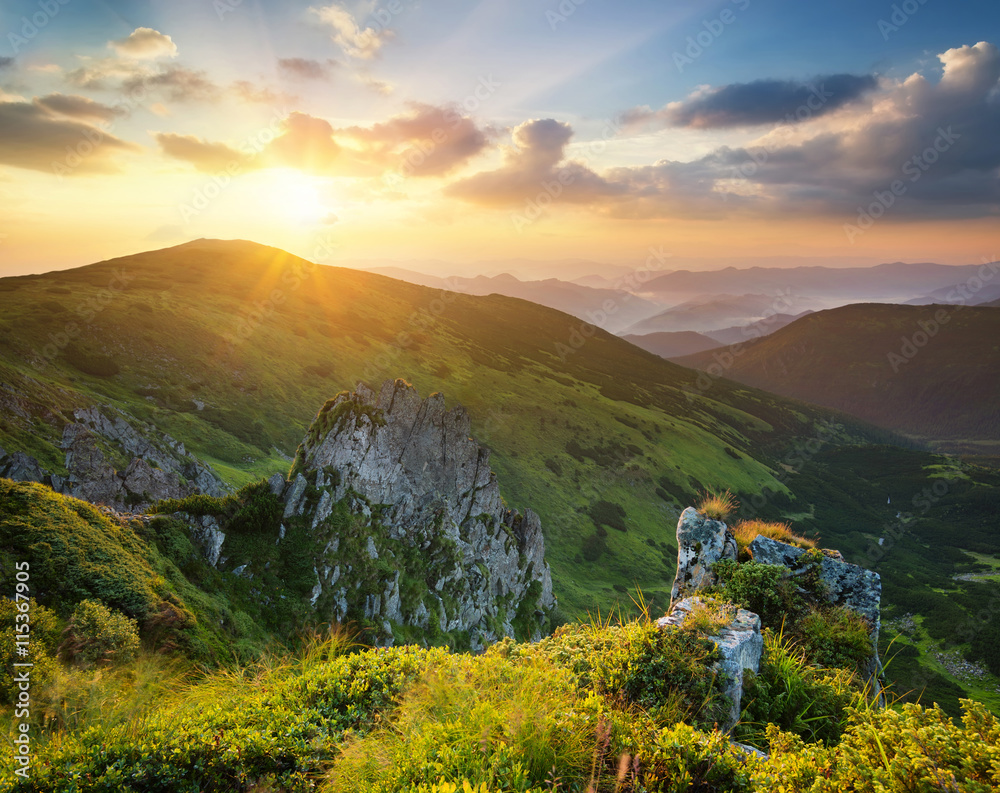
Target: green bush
{"points": [[835, 637], [43, 640], [90, 363], [608, 513], [796, 697], [757, 587], [97, 635]]}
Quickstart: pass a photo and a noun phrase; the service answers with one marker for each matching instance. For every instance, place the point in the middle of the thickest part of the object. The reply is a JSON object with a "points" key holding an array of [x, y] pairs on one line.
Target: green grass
{"points": [[167, 331]]}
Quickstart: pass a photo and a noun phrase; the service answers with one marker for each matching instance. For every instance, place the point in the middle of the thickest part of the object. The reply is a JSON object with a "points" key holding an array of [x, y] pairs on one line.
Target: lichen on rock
{"points": [[435, 543]]}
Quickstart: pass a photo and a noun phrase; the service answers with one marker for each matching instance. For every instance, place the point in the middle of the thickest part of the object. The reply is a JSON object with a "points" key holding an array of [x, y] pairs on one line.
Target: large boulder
{"points": [[701, 542], [841, 584], [409, 470], [740, 645]]}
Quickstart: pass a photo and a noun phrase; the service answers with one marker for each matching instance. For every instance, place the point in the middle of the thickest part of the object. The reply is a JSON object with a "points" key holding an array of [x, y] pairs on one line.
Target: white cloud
{"points": [[144, 44], [358, 42]]}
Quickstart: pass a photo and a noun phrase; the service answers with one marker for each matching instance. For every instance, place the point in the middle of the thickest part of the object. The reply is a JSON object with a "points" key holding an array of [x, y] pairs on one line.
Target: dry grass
{"points": [[746, 530], [709, 617], [718, 506]]}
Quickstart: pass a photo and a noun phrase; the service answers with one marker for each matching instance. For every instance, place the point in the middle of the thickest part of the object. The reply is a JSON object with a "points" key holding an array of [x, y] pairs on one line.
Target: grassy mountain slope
{"points": [[673, 344], [932, 372], [232, 347]]}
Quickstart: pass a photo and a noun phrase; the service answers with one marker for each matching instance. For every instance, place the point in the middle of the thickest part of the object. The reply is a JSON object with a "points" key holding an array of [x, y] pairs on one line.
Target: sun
{"points": [[295, 197]]}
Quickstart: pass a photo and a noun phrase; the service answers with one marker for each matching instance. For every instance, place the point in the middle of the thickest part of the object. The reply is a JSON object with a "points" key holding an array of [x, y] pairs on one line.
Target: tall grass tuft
{"points": [[746, 530], [718, 505]]}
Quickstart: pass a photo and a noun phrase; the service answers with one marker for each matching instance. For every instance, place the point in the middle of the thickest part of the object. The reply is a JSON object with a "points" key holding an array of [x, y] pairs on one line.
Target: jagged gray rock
{"points": [[414, 462], [740, 644], [701, 542], [841, 584], [109, 461]]}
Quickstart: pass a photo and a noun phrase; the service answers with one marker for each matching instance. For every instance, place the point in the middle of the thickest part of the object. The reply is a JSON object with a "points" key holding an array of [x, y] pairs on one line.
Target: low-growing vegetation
{"points": [[746, 531], [718, 505]]}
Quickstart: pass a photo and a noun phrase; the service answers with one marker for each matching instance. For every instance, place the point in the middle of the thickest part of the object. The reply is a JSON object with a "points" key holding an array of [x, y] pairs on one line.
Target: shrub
{"points": [[787, 692], [718, 506], [835, 637], [90, 363], [608, 513], [42, 644], [757, 587], [97, 635]]}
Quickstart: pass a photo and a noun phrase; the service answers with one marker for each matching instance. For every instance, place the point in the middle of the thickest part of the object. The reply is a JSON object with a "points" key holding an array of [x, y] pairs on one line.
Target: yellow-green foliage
{"points": [[709, 616], [505, 724], [99, 635], [911, 748], [75, 552], [746, 530], [43, 639], [797, 697], [718, 505]]}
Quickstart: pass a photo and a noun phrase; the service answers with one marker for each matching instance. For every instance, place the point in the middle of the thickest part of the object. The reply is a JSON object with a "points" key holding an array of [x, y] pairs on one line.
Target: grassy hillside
{"points": [[121, 699], [232, 347], [932, 372]]}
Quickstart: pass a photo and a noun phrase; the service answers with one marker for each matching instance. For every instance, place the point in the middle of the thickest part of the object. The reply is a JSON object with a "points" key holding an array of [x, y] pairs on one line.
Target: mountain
{"points": [[893, 282], [224, 349], [761, 327], [709, 313], [610, 309], [673, 344], [931, 372], [524, 269], [987, 293]]}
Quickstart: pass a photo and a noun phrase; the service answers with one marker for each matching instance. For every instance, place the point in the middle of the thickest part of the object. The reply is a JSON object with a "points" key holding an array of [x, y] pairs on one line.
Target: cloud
{"points": [[35, 137], [532, 166], [756, 103], [306, 143], [144, 44], [79, 107], [6, 63], [177, 83], [936, 141], [204, 156], [246, 91], [427, 141], [355, 41], [306, 68]]}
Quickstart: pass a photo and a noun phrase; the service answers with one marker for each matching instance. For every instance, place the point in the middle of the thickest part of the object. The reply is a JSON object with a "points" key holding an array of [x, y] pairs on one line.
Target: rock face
{"points": [[409, 470], [740, 645], [843, 584], [701, 542], [109, 461]]}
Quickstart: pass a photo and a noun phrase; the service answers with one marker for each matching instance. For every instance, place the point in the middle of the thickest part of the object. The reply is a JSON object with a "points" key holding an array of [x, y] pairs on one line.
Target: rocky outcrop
{"points": [[701, 542], [840, 584], [740, 645], [109, 461], [438, 547]]}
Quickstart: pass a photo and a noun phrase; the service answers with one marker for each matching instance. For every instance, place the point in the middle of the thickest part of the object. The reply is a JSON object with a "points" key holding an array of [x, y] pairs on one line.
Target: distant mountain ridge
{"points": [[928, 371]]}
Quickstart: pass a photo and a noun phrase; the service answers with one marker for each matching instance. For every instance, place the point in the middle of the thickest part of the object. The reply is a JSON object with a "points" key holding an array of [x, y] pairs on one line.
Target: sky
{"points": [[740, 132]]}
